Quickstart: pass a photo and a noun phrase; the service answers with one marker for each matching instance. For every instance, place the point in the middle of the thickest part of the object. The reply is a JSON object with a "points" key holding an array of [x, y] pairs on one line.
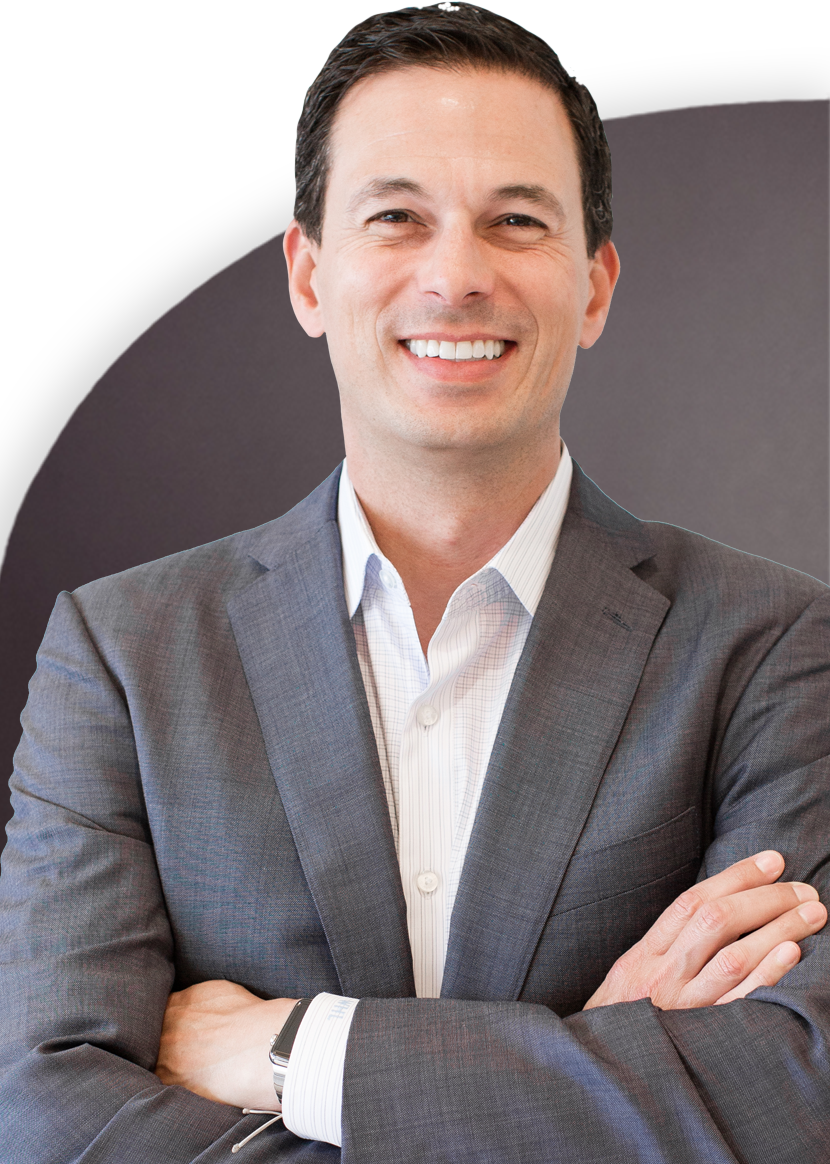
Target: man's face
{"points": [[453, 217]]}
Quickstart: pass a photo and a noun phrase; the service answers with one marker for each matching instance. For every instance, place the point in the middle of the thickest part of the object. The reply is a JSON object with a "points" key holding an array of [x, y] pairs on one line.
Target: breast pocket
{"points": [[597, 874]]}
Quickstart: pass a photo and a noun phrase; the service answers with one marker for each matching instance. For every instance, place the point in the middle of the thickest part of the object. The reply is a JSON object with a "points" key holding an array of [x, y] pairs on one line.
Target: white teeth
{"points": [[462, 350]]}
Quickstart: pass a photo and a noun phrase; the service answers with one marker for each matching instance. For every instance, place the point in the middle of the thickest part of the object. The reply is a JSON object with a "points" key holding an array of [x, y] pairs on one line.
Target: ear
{"points": [[301, 259], [603, 274]]}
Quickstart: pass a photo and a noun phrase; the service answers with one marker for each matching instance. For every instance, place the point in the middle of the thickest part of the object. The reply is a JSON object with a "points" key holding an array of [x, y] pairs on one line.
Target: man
{"points": [[456, 726]]}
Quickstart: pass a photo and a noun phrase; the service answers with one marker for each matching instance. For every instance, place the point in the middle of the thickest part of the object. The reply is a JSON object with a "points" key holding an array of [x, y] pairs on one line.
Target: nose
{"points": [[455, 267]]}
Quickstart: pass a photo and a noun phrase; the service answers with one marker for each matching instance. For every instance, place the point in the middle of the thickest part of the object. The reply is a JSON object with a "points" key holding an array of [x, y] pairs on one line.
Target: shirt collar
{"points": [[524, 562], [357, 541]]}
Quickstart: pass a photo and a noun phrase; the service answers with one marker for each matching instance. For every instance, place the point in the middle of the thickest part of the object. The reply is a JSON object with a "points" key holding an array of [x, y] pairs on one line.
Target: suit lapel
{"points": [[573, 687], [297, 648]]}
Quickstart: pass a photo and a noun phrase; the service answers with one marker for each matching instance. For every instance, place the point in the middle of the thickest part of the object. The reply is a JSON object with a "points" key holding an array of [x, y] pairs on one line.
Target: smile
{"points": [[461, 350]]}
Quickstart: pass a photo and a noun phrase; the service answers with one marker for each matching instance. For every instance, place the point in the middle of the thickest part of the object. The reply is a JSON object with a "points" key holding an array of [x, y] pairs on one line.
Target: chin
{"points": [[462, 433]]}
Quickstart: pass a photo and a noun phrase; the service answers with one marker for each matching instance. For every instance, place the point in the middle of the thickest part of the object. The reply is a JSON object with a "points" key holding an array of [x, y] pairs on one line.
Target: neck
{"points": [[440, 518]]}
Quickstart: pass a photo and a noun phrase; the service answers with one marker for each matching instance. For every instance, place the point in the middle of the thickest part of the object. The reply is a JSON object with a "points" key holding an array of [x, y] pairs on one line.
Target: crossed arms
{"points": [[731, 934]]}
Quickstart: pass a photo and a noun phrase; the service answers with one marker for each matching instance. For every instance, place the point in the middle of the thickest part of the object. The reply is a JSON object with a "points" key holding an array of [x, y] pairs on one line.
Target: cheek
{"points": [[358, 294], [565, 320], [552, 290]]}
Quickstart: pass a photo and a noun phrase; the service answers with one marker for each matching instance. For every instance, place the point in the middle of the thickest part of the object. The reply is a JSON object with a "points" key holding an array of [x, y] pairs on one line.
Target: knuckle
{"points": [[688, 903], [730, 964], [652, 946], [712, 917]]}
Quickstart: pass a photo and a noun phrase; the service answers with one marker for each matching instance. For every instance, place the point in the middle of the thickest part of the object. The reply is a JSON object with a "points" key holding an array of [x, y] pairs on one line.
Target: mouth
{"points": [[456, 349]]}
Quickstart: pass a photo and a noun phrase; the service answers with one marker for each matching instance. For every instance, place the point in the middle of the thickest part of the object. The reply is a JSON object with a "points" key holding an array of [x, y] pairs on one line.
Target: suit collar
{"points": [[606, 525], [272, 543]]}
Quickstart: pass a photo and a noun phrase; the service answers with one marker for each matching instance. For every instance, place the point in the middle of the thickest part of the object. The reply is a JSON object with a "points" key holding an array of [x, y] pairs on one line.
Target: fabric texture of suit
{"points": [[197, 795]]}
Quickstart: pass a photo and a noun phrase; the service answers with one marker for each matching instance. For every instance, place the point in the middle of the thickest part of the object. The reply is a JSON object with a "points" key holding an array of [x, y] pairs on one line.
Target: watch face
{"points": [[283, 1041]]}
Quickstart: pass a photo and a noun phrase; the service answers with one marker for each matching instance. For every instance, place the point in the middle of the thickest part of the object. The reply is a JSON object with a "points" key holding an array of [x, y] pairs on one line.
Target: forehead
{"points": [[481, 123]]}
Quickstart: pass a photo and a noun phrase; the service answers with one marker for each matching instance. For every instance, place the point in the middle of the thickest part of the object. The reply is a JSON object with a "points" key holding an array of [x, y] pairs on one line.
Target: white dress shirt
{"points": [[435, 720]]}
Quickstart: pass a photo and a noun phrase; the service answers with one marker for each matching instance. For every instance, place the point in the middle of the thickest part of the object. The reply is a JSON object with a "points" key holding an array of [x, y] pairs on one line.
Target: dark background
{"points": [[139, 167]]}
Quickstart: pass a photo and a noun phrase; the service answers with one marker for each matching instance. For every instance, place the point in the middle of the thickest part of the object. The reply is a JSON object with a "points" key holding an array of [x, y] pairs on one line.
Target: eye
{"points": [[392, 216], [522, 220]]}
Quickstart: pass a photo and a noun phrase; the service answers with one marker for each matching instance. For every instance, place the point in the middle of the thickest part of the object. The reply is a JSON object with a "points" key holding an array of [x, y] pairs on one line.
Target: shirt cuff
{"points": [[312, 1095]]}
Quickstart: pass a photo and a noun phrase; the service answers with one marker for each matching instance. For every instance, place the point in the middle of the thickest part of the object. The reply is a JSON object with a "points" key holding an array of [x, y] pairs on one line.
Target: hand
{"points": [[215, 1039], [690, 956]]}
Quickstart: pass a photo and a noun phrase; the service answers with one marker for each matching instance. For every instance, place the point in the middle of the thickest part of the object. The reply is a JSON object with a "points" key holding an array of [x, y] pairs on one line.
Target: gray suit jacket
{"points": [[197, 795]]}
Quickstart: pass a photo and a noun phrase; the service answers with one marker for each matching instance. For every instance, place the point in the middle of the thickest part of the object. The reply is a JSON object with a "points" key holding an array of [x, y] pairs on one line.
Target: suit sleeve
{"points": [[444, 1080], [86, 950]]}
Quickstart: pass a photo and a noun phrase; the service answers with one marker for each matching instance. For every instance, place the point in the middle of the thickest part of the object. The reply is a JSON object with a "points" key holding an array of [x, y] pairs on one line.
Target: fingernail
{"points": [[813, 913], [769, 862], [803, 891], [787, 955]]}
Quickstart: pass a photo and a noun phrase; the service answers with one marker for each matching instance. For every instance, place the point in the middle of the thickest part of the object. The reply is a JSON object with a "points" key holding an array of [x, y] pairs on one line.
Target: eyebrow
{"points": [[383, 187], [538, 195]]}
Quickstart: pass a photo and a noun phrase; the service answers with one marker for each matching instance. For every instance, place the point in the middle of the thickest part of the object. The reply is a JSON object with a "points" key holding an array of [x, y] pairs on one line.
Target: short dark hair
{"points": [[446, 36]]}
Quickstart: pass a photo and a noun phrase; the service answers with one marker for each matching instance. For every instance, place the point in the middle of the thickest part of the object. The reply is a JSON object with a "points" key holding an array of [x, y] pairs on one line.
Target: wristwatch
{"points": [[281, 1044]]}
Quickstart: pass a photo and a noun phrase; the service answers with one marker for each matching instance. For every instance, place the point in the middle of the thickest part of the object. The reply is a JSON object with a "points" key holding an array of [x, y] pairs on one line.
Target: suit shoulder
{"points": [[690, 567], [214, 565]]}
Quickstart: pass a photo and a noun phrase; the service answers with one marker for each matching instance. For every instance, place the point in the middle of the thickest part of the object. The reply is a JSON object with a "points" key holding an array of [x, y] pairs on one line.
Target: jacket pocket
{"points": [[631, 863]]}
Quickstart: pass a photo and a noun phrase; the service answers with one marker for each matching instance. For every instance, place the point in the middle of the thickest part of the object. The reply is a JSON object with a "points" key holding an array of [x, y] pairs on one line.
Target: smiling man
{"points": [[450, 809]]}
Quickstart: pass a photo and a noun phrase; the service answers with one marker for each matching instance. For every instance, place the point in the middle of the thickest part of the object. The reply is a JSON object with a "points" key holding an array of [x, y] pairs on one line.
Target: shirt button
{"points": [[426, 715], [428, 882], [388, 579]]}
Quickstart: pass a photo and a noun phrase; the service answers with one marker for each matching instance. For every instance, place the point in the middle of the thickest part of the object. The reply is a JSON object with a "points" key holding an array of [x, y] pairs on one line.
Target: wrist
{"points": [[270, 1016]]}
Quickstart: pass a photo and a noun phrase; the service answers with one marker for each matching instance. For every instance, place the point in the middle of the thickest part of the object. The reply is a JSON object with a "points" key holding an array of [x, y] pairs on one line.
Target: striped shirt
{"points": [[435, 719]]}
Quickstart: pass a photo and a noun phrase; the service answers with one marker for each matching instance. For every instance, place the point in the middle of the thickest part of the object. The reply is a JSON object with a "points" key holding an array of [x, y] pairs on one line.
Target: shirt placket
{"points": [[427, 809]]}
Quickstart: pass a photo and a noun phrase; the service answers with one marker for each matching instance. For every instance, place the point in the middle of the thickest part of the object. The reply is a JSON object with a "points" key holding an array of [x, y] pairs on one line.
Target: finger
{"points": [[770, 971], [732, 965], [719, 923], [760, 869]]}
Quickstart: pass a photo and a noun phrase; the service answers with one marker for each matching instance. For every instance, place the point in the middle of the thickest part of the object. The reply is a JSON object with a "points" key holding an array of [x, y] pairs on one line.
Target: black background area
{"points": [[136, 167]]}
